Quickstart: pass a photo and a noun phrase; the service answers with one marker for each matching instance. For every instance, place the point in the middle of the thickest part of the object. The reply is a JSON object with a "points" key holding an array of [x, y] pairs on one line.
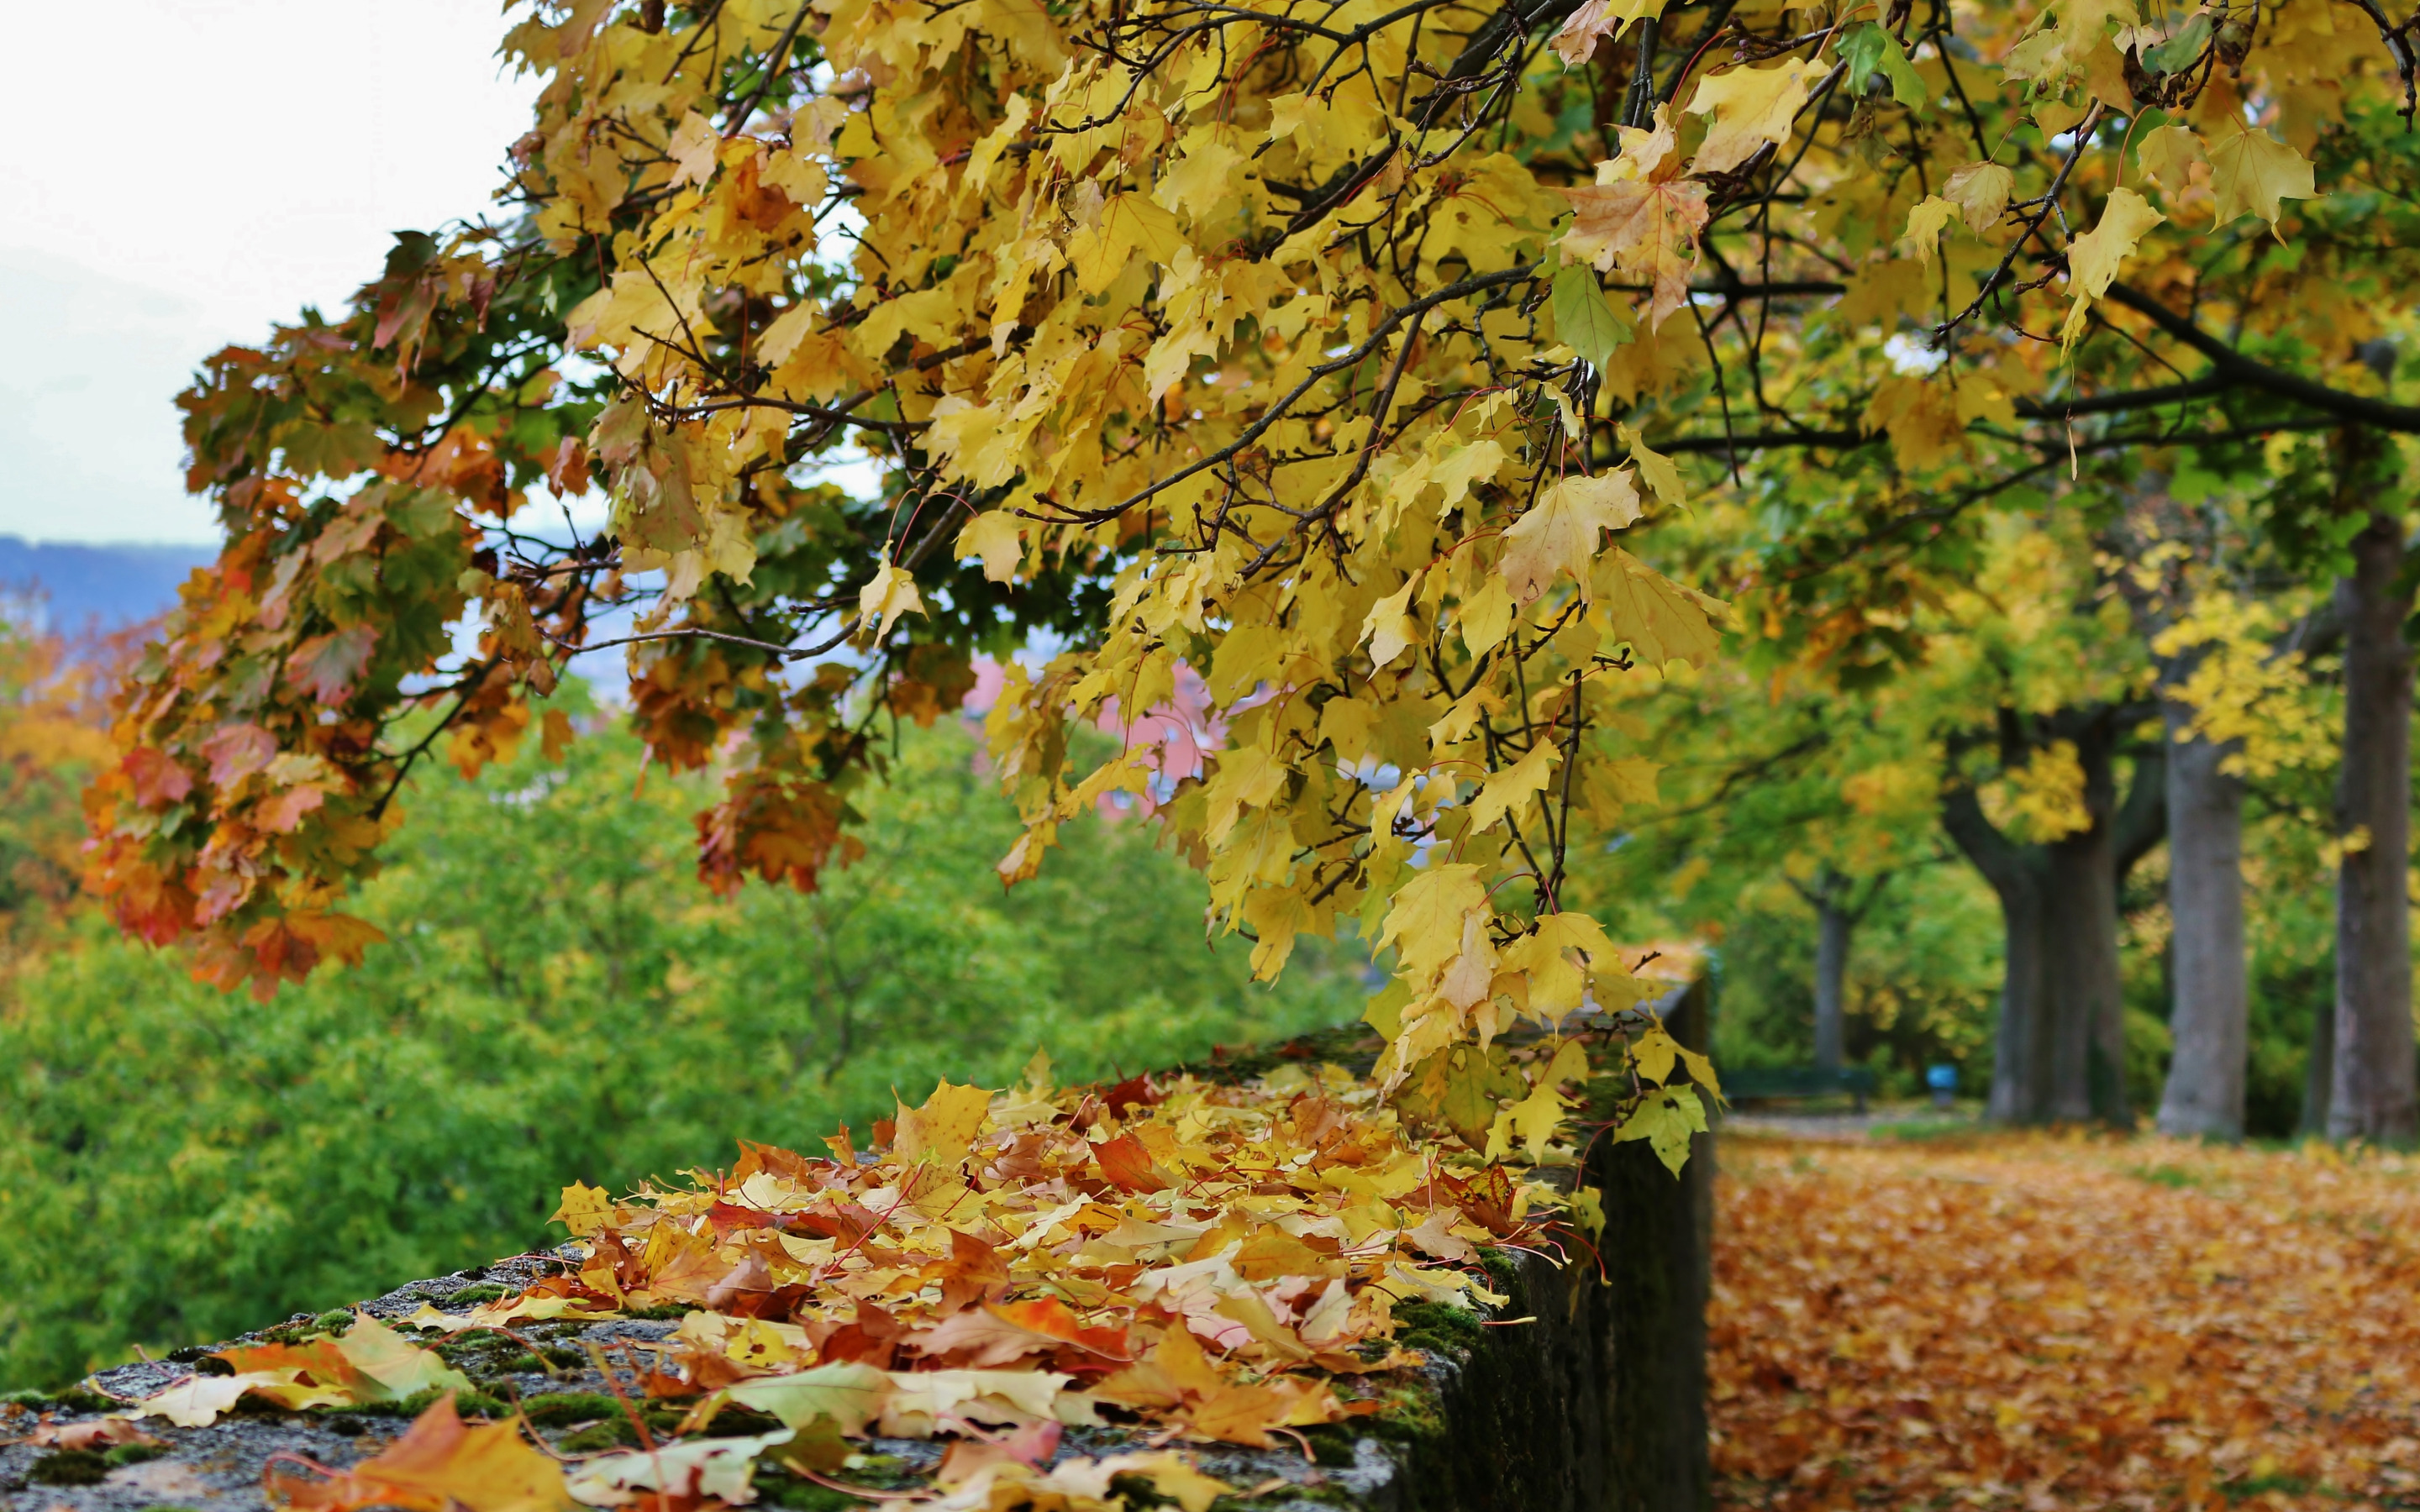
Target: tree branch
{"points": [[2247, 372]]}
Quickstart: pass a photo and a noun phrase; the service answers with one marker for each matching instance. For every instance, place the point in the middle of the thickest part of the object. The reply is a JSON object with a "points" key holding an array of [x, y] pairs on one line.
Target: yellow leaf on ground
{"points": [[439, 1461], [944, 1127]]}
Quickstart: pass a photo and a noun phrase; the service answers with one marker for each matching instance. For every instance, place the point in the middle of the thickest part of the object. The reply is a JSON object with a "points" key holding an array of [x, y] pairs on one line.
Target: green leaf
{"points": [[1459, 1088], [2182, 51], [1665, 1118], [1585, 320], [1870, 47]]}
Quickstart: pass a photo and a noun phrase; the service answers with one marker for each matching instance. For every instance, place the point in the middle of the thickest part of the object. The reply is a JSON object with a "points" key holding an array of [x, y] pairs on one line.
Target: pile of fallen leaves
{"points": [[1191, 1262], [2041, 1320]]}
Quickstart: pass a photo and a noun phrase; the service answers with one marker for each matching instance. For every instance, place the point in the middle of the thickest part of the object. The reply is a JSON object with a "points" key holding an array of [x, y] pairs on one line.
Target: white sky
{"points": [[189, 172]]}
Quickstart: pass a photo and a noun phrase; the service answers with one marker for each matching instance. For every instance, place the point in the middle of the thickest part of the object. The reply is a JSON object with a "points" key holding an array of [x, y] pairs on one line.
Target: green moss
{"points": [[134, 1453], [734, 1422], [1438, 1327], [484, 1291], [468, 1403], [803, 1495], [1330, 1443], [522, 1363], [1503, 1270], [72, 1399], [669, 1313], [554, 1408], [1412, 1416], [614, 1434], [333, 1322], [68, 1467]]}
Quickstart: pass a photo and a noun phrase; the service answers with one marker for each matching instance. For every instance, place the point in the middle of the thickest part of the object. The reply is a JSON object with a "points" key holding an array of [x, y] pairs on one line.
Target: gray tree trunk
{"points": [[2373, 1091], [2204, 1095], [1833, 924], [2060, 1051], [2319, 1076]]}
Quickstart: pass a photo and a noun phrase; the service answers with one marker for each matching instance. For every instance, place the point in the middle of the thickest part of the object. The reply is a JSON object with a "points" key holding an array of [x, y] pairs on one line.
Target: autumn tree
{"points": [[1325, 350]]}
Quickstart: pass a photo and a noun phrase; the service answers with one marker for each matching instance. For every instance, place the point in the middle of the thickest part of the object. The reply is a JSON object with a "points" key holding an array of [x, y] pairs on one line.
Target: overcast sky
{"points": [[188, 172]]}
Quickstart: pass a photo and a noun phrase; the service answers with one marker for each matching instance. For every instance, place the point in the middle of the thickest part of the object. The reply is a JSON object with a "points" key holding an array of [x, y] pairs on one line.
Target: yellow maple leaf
{"points": [[944, 1128], [2169, 156], [1129, 224], [1425, 922], [1505, 792], [1753, 108], [2251, 171], [1664, 621], [1485, 616], [891, 594], [2093, 259], [993, 536], [1653, 466], [584, 1209], [1391, 628], [1559, 532], [439, 1462], [1980, 190], [1925, 223], [1599, 18]]}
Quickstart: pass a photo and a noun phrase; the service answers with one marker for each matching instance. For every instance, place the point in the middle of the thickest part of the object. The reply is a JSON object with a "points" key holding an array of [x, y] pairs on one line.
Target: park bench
{"points": [[1769, 1084]]}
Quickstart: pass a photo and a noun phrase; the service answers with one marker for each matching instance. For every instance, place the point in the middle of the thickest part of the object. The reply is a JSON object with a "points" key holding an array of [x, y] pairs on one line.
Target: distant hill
{"points": [[71, 589]]}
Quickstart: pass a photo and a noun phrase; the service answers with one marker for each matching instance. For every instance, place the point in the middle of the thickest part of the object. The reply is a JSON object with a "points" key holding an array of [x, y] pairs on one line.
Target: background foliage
{"points": [[560, 999]]}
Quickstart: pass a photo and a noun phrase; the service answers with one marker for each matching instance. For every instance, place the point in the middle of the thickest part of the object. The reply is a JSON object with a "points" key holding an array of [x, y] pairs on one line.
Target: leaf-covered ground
{"points": [[2041, 1320]]}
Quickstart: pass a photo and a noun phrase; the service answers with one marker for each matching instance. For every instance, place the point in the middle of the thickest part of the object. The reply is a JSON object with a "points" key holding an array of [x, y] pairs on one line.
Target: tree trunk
{"points": [[2319, 1076], [2204, 1096], [2085, 1031], [2060, 1051], [1833, 923], [2087, 1028], [2373, 1083]]}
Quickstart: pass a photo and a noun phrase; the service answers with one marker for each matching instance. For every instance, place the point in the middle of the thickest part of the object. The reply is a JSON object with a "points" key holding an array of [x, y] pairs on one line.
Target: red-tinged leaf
{"points": [[1136, 1091], [98, 1433], [973, 1271], [566, 471], [157, 777], [725, 1217], [284, 813], [995, 1334], [336, 936], [1126, 1164], [236, 751], [326, 666]]}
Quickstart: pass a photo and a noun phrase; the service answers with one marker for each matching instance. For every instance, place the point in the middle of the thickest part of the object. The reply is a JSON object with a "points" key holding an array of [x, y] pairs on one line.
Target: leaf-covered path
{"points": [[2047, 1322]]}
